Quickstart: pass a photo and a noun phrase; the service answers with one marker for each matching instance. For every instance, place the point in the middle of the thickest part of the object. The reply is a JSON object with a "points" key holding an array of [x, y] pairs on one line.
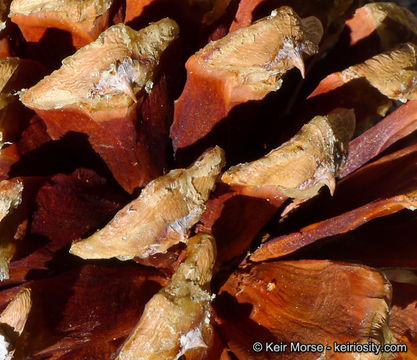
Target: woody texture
{"points": [[208, 180]]}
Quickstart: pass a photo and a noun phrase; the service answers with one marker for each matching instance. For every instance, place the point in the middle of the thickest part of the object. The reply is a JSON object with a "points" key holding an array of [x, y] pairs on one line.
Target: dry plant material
{"points": [[84, 201], [380, 79], [360, 198], [176, 321], [4, 41], [403, 319], [392, 73], [160, 217], [373, 245], [298, 168], [398, 171], [301, 166], [236, 213], [115, 96], [84, 20], [33, 136], [17, 311], [242, 66], [20, 270], [167, 262], [392, 24], [97, 92], [211, 10], [16, 197], [214, 9], [12, 322], [349, 221], [14, 74], [235, 219], [284, 301], [10, 198], [4, 11], [100, 304], [374, 28], [5, 50], [9, 115], [328, 12], [134, 9], [400, 275], [8, 157], [332, 15], [396, 126]]}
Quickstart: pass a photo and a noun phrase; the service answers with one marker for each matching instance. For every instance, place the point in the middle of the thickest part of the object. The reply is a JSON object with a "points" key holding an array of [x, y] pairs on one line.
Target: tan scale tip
{"points": [[160, 217], [107, 73], [17, 312]]}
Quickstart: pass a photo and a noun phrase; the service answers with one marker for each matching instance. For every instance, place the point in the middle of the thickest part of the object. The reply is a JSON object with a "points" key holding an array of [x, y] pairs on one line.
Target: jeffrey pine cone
{"points": [[208, 179]]}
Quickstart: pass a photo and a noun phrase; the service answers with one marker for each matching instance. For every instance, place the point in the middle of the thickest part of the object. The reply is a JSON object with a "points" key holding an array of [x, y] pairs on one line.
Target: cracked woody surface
{"points": [[186, 179]]}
